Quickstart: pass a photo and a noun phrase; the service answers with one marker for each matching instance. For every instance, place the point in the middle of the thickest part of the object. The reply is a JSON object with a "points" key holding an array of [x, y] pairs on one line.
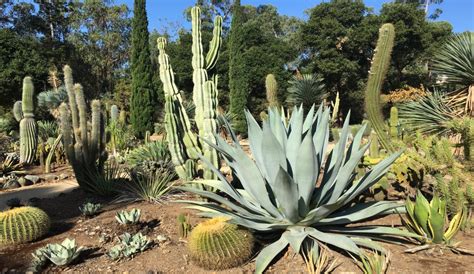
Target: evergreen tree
{"points": [[238, 76], [143, 99]]}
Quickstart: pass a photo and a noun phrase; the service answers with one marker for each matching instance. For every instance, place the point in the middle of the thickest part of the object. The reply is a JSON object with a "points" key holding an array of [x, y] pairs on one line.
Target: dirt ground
{"points": [[98, 234]]}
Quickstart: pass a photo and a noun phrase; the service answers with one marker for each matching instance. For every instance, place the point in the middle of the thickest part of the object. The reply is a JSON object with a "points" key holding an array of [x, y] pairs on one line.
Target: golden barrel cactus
{"points": [[23, 224], [216, 244]]}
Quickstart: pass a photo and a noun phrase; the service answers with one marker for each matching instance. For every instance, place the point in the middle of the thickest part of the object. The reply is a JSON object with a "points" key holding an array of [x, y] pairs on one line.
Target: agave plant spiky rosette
{"points": [[292, 191]]}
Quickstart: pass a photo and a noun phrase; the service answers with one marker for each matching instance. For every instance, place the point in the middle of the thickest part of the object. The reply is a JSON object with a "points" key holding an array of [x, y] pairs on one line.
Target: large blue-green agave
{"points": [[292, 190]]}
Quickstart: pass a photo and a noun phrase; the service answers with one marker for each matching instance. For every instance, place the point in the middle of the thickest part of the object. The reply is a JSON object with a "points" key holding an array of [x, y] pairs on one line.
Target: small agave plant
{"points": [[429, 220], [63, 253], [129, 245], [127, 218], [90, 209], [292, 191]]}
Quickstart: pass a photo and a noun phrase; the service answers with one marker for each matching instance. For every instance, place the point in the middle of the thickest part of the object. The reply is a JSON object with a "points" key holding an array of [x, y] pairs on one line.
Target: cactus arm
{"points": [[17, 111], [378, 70], [215, 44], [69, 84], [114, 113], [335, 108], [66, 132], [95, 132], [82, 131], [28, 128], [393, 122], [47, 165], [271, 87]]}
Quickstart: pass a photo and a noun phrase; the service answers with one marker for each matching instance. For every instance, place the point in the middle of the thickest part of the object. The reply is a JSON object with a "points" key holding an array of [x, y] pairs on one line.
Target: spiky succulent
{"points": [[308, 89], [90, 209], [280, 193], [63, 253], [125, 217], [129, 246], [428, 219]]}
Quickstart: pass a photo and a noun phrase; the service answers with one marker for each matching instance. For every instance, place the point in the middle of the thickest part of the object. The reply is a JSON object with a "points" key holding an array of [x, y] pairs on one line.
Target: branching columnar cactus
{"points": [[393, 122], [17, 111], [183, 143], [28, 128], [85, 149], [378, 70], [271, 87], [216, 244], [22, 224]]}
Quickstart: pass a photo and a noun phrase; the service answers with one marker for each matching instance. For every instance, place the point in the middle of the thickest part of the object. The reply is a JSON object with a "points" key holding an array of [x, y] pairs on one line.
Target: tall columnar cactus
{"points": [[85, 148], [183, 143], [22, 224], [378, 70], [374, 145], [17, 111], [114, 113], [28, 128], [123, 117], [393, 122], [335, 109], [216, 244], [271, 87]]}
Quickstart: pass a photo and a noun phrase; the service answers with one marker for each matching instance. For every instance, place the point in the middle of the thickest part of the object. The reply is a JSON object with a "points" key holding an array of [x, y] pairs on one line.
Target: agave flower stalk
{"points": [[280, 194]]}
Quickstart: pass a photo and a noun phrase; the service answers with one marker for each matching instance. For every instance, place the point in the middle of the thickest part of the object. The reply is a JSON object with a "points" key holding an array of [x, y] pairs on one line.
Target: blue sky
{"points": [[460, 13]]}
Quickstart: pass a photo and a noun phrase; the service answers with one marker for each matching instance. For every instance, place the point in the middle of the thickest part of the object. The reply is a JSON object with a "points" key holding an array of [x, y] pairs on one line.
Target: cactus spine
{"points": [[17, 111], [182, 142], [216, 244], [378, 70], [271, 87], [393, 122], [85, 149], [28, 128], [23, 224]]}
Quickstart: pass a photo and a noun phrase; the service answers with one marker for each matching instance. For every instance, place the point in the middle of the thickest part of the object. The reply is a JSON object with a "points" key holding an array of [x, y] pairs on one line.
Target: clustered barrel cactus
{"points": [[378, 70], [216, 244], [28, 127], [85, 148], [280, 194], [184, 146], [23, 224]]}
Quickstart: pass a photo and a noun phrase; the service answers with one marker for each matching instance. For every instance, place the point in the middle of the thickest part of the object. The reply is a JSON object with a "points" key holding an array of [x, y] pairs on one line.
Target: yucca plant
{"points": [[454, 63], [152, 151], [307, 89], [429, 220], [148, 187], [280, 194]]}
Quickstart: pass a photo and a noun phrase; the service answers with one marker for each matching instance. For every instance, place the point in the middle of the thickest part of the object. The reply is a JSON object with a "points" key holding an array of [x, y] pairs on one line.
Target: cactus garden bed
{"points": [[169, 254]]}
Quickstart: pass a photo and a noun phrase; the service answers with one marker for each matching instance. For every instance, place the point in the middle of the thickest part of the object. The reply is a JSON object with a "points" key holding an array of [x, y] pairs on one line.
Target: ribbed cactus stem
{"points": [[69, 84], [216, 244], [378, 70], [95, 136], [28, 128], [123, 117], [17, 111], [182, 142], [204, 92], [22, 225], [374, 145], [81, 144], [114, 113], [393, 122], [271, 87], [335, 108], [66, 132]]}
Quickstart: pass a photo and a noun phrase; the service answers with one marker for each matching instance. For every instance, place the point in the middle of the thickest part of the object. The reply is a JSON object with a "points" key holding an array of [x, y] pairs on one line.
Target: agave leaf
{"points": [[360, 212], [368, 243], [305, 173], [308, 122], [436, 225], [268, 253], [340, 241], [277, 127], [370, 231], [422, 210], [255, 141], [286, 192], [274, 153], [294, 137], [295, 237]]}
